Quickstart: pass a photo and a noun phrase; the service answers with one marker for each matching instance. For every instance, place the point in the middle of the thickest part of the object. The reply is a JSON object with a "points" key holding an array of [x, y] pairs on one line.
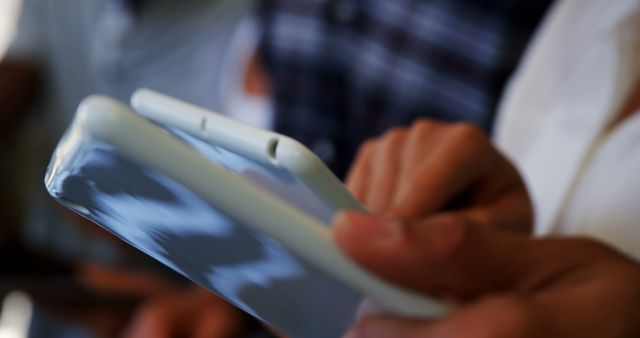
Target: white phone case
{"points": [[244, 214], [265, 146]]}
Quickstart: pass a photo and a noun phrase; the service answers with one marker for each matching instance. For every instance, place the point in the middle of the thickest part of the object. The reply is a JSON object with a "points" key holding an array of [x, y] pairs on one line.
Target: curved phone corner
{"points": [[98, 114], [293, 155], [307, 166], [139, 96]]}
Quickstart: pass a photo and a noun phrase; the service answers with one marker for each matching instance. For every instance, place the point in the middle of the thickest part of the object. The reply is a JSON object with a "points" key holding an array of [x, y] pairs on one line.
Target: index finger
{"points": [[461, 158], [447, 255]]}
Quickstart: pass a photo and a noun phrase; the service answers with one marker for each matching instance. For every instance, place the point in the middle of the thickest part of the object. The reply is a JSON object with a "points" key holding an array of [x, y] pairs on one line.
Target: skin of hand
{"points": [[123, 281], [505, 285], [193, 313], [168, 310], [443, 168]]}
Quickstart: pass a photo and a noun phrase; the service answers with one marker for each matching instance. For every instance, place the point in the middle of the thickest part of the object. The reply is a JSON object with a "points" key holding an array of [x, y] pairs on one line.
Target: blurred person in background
{"points": [[570, 122], [342, 71], [64, 50]]}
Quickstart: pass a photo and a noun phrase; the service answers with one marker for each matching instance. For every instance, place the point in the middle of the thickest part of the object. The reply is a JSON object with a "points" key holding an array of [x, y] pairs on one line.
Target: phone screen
{"points": [[172, 224]]}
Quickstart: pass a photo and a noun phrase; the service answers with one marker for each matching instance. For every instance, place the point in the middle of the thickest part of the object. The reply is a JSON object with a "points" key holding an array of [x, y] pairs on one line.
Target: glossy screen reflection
{"points": [[167, 221]]}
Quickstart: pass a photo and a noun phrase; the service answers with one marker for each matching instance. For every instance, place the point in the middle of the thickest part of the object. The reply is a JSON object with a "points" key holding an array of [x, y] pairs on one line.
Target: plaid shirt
{"points": [[345, 70]]}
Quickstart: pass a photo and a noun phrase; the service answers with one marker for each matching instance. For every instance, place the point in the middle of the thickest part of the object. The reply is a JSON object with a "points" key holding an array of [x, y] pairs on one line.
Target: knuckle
{"points": [[423, 129], [392, 140], [467, 131], [394, 134], [425, 183], [367, 146], [422, 124]]}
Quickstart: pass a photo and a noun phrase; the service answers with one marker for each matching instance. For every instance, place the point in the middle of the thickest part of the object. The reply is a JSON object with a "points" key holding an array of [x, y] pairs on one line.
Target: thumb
{"points": [[443, 255]]}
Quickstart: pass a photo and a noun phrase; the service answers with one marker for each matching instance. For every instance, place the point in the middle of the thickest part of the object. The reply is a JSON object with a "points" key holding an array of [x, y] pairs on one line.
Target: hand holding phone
{"points": [[240, 211]]}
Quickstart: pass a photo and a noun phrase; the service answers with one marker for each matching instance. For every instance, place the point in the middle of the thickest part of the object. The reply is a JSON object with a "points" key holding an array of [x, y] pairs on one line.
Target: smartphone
{"points": [[241, 211]]}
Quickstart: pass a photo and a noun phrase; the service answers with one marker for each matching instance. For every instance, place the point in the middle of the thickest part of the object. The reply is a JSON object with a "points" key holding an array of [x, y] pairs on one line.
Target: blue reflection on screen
{"points": [[164, 219]]}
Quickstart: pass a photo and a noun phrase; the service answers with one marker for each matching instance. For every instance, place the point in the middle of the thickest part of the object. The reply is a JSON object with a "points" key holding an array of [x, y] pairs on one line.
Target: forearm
{"points": [[19, 84]]}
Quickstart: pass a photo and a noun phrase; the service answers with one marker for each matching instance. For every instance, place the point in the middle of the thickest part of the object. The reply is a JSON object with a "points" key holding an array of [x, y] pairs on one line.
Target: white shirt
{"points": [[552, 122]]}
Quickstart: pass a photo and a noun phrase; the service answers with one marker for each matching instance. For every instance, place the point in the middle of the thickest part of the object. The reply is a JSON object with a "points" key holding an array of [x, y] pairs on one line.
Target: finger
{"points": [[358, 176], [609, 281], [421, 139], [219, 320], [117, 280], [559, 302], [458, 160], [500, 199], [447, 255], [511, 211], [389, 327], [413, 257], [493, 317], [167, 315], [385, 169], [152, 321]]}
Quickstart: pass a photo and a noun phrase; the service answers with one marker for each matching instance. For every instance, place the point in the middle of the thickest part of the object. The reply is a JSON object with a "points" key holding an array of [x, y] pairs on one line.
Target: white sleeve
{"points": [[29, 42]]}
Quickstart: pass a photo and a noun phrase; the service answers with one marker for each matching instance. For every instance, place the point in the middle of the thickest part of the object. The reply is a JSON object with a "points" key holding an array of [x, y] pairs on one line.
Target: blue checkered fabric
{"points": [[345, 70]]}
